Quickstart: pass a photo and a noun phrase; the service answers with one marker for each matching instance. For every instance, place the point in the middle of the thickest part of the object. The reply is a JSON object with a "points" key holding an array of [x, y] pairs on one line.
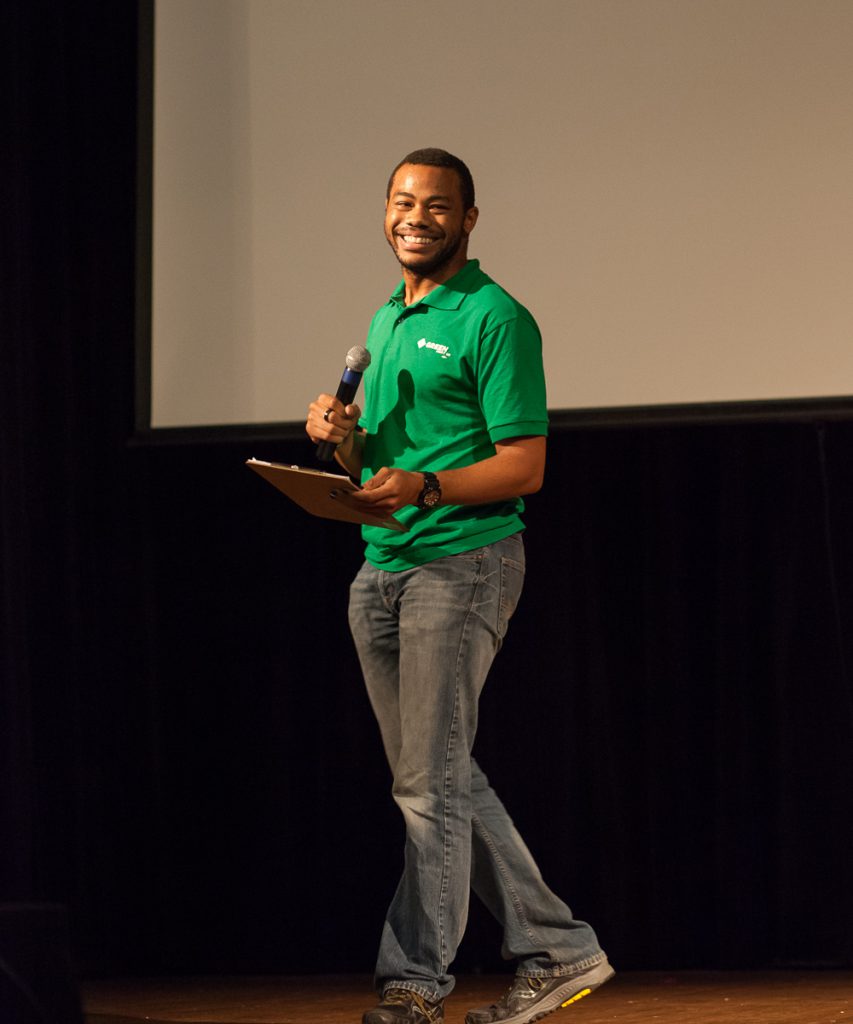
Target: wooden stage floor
{"points": [[778, 997]]}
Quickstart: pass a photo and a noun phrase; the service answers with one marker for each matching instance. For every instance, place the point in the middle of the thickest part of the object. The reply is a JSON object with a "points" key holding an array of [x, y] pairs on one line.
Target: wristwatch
{"points": [[430, 496]]}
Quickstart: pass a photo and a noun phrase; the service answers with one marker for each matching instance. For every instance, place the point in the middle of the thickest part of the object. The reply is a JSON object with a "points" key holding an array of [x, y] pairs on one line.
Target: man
{"points": [[452, 435]]}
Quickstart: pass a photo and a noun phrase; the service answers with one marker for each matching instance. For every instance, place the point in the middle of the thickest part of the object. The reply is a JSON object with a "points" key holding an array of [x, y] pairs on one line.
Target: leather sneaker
{"points": [[402, 1006], [530, 999]]}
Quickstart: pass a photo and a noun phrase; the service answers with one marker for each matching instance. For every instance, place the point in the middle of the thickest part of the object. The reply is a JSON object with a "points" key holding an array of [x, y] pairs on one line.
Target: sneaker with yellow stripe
{"points": [[530, 999]]}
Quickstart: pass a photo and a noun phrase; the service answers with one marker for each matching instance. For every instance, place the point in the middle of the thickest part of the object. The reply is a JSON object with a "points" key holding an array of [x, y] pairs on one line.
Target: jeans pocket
{"points": [[512, 580]]}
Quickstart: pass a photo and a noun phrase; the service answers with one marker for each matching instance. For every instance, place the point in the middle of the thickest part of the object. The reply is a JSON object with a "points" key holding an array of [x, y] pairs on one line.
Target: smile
{"points": [[417, 239]]}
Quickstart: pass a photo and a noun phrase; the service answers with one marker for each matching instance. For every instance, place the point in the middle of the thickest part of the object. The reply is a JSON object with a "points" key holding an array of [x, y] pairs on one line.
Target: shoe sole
{"points": [[571, 992]]}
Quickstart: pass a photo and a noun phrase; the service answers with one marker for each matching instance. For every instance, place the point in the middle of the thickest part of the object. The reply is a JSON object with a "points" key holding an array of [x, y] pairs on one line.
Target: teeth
{"points": [[416, 240]]}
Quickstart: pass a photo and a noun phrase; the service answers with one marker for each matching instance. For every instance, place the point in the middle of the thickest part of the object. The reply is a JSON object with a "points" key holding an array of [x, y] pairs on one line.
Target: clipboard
{"points": [[322, 494]]}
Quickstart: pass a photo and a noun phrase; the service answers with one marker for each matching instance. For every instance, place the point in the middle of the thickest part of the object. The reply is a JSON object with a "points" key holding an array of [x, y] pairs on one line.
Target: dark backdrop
{"points": [[188, 759]]}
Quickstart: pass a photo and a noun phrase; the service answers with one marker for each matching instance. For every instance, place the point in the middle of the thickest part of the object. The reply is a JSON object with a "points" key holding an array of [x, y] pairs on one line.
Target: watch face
{"points": [[432, 498]]}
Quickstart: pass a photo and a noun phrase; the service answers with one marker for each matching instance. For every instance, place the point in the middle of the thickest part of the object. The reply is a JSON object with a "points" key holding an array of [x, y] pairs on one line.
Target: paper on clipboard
{"points": [[322, 494]]}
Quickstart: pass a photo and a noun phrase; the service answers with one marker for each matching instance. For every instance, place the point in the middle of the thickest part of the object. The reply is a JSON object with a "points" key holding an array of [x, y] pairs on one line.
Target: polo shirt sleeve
{"points": [[511, 380]]}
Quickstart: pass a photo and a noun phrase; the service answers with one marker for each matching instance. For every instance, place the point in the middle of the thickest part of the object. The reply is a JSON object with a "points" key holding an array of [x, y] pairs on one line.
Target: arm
{"points": [[349, 453], [516, 468]]}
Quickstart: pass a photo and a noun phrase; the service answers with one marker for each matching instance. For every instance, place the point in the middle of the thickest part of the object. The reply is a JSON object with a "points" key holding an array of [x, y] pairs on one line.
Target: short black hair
{"points": [[432, 157]]}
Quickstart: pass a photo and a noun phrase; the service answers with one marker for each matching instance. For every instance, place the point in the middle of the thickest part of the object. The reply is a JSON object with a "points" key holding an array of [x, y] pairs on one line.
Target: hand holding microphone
{"points": [[357, 361]]}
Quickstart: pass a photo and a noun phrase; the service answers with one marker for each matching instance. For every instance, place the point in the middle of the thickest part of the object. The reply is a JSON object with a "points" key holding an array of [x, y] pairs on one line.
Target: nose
{"points": [[418, 216]]}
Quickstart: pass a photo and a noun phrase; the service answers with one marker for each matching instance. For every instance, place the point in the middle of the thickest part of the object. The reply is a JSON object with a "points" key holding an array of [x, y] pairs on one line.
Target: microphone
{"points": [[358, 360]]}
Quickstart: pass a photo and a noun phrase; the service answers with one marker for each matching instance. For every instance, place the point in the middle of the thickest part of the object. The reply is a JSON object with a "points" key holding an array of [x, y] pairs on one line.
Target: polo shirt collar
{"points": [[446, 296]]}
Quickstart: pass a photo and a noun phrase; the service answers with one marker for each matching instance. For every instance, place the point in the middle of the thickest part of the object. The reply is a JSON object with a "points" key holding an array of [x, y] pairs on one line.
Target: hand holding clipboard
{"points": [[322, 494]]}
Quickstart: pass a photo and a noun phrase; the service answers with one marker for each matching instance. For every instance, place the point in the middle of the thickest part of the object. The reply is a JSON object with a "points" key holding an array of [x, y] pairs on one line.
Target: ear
{"points": [[470, 220]]}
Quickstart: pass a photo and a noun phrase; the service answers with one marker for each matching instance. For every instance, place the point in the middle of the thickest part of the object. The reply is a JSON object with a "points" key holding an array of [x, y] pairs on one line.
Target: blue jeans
{"points": [[426, 638]]}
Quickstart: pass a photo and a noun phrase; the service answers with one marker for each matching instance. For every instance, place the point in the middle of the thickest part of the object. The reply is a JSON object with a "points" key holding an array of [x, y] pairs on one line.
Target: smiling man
{"points": [[431, 247], [453, 434]]}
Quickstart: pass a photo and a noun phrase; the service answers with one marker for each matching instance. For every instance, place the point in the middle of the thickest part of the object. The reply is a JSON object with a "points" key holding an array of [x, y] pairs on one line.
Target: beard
{"points": [[423, 268]]}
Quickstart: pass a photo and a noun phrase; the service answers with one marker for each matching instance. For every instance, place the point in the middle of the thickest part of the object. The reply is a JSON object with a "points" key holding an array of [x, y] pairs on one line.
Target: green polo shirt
{"points": [[449, 376]]}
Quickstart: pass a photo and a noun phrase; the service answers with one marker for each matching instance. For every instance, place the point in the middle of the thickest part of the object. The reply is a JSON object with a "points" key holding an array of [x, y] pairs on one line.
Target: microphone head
{"points": [[358, 359]]}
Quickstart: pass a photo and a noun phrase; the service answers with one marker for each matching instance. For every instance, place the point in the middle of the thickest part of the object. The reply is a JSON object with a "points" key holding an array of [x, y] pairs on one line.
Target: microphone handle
{"points": [[346, 393]]}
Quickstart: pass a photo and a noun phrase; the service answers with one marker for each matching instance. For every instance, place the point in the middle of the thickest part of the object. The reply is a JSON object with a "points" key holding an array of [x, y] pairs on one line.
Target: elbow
{"points": [[524, 459], [534, 478], [536, 473], [534, 481]]}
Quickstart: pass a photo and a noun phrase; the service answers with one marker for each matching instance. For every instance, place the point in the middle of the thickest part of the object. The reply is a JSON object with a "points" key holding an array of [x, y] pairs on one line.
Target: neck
{"points": [[417, 286]]}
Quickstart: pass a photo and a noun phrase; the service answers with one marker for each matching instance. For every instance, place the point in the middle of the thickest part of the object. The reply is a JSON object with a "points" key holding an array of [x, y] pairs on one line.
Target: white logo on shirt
{"points": [[442, 350]]}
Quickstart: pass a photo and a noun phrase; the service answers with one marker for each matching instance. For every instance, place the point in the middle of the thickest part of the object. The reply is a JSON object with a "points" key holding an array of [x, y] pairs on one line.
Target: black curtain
{"points": [[188, 760]]}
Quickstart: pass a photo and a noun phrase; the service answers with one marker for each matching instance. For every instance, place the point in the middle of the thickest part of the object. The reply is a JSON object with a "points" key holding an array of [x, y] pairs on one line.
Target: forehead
{"points": [[421, 181]]}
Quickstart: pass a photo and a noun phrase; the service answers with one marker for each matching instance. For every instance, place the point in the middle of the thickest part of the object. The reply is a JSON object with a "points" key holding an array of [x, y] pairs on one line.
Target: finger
{"points": [[371, 487], [325, 409], [323, 402], [321, 426], [373, 499], [377, 480]]}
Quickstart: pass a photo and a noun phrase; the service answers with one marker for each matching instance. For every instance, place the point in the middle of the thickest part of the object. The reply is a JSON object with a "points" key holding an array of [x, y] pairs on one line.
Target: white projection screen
{"points": [[666, 184]]}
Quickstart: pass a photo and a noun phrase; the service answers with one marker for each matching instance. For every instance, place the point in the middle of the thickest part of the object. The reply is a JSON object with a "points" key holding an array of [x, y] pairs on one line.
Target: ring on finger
{"points": [[327, 413]]}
